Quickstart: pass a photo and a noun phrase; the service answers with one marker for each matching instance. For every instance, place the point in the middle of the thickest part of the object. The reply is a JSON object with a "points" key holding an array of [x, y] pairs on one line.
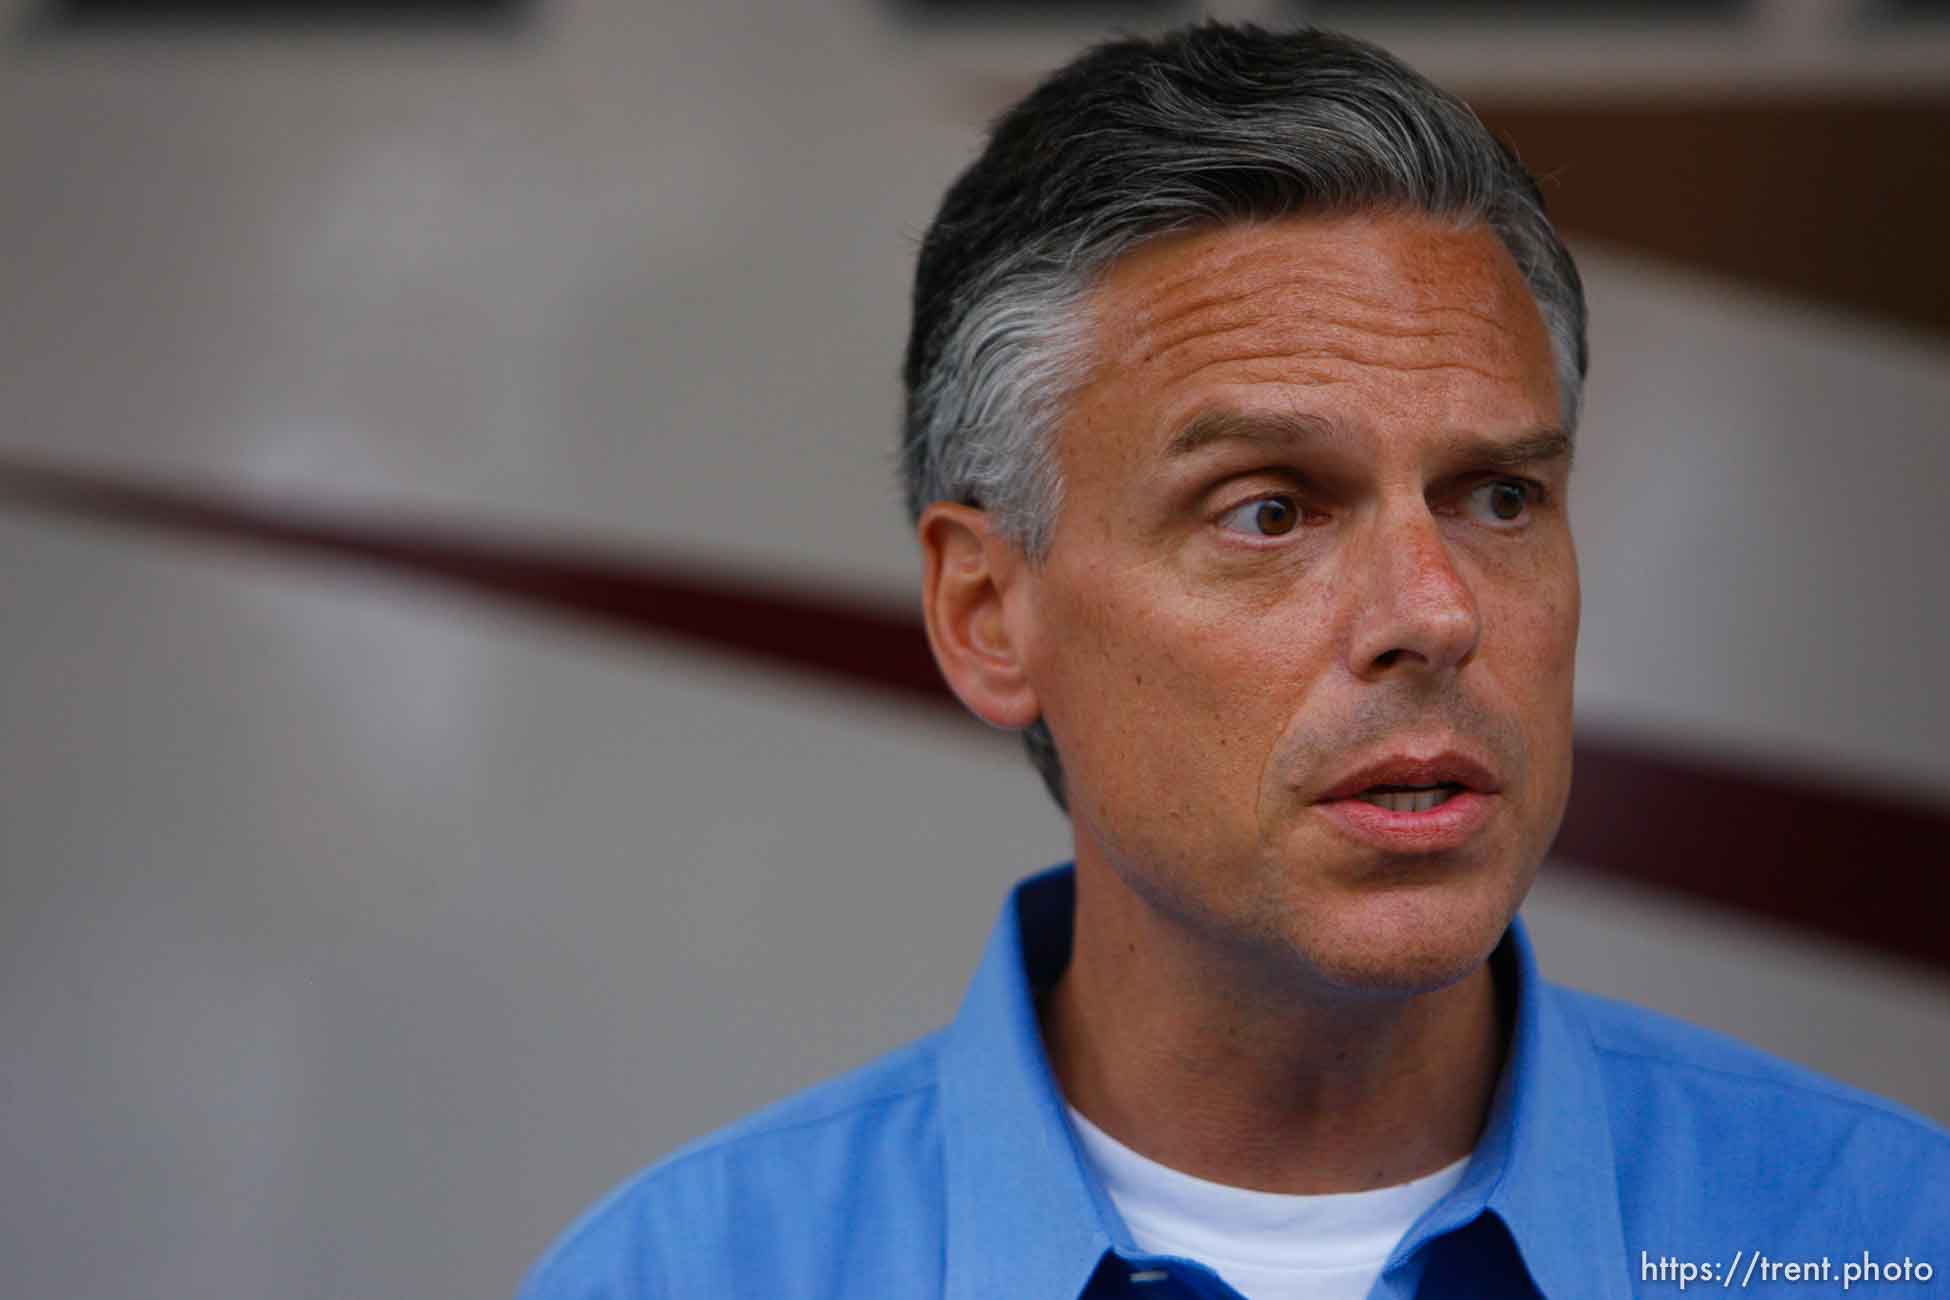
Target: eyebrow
{"points": [[1210, 427], [1532, 448], [1288, 428]]}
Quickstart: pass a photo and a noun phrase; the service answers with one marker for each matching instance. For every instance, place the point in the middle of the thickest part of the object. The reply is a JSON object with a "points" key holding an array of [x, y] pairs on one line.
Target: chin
{"points": [[1403, 942], [1394, 974]]}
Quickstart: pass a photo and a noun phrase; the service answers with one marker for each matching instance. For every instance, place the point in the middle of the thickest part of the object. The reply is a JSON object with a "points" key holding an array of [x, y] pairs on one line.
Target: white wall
{"points": [[356, 934]]}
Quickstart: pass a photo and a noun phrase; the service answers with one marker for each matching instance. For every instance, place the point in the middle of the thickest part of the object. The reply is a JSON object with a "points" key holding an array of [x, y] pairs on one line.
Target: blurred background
{"points": [[466, 729]]}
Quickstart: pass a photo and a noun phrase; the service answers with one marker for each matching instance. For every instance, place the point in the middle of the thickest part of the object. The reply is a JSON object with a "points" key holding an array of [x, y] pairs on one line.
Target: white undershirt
{"points": [[1266, 1245]]}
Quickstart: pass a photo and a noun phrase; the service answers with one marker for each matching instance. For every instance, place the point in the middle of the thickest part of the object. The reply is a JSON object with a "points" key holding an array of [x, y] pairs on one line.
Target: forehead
{"points": [[1365, 319]]}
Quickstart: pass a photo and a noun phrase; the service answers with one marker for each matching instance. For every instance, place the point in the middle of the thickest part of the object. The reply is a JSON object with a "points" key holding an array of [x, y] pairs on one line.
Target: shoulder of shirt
{"points": [[839, 1100], [602, 1252], [1645, 1045]]}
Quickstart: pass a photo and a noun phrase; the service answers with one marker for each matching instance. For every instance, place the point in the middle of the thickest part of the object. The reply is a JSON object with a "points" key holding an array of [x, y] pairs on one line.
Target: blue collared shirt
{"points": [[1625, 1153]]}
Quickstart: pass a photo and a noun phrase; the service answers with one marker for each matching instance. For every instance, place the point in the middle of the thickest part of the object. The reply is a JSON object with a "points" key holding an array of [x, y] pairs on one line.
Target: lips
{"points": [[1404, 804], [1402, 772]]}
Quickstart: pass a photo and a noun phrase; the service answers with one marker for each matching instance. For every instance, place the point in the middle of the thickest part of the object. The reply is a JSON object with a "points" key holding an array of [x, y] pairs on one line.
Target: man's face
{"points": [[1314, 542]]}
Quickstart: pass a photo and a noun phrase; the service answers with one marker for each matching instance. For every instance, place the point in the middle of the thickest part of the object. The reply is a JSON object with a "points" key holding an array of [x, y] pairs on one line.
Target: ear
{"points": [[974, 589]]}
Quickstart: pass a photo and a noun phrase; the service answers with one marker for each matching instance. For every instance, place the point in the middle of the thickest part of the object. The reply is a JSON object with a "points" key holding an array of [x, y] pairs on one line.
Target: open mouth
{"points": [[1409, 798]]}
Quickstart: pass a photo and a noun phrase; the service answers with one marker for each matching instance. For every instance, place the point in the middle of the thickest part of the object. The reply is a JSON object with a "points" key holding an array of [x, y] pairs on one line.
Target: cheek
{"points": [[1536, 656], [1153, 700], [1532, 619], [1559, 616], [1547, 627]]}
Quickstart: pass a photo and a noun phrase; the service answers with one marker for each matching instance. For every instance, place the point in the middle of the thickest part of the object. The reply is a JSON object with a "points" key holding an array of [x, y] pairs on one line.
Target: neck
{"points": [[1217, 1067]]}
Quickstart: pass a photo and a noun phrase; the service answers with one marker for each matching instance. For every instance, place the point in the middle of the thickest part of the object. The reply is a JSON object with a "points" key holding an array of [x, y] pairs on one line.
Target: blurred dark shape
{"points": [[1836, 198], [83, 15], [1528, 11], [1904, 9], [1023, 11]]}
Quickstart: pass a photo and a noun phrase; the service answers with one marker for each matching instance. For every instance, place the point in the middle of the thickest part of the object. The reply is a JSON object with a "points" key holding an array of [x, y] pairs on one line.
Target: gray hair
{"points": [[1139, 138]]}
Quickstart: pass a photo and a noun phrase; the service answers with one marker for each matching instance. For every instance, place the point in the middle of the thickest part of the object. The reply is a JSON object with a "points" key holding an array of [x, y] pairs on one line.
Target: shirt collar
{"points": [[1025, 1215], [1544, 1164]]}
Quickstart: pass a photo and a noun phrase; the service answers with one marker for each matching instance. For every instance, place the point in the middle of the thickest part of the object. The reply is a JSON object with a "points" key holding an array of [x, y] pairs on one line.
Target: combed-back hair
{"points": [[1142, 137]]}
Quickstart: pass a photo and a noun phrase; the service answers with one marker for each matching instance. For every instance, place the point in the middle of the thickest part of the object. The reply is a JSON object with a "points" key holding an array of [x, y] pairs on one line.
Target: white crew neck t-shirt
{"points": [[1266, 1245]]}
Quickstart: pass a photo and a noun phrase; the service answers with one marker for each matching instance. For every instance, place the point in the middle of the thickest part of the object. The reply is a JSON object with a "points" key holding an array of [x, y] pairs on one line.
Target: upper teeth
{"points": [[1407, 800]]}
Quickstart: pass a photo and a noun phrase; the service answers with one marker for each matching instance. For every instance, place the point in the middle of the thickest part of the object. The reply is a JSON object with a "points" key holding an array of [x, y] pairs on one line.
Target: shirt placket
{"points": [[1157, 1277]]}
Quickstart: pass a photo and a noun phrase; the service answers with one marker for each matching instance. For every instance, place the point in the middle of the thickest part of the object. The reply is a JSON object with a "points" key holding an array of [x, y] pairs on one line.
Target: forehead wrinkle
{"points": [[1152, 277], [1330, 340], [1380, 318], [1257, 253], [1352, 357]]}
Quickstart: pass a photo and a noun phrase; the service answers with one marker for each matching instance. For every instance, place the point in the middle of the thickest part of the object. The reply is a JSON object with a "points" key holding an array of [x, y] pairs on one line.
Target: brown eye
{"points": [[1266, 517], [1505, 500], [1276, 516]]}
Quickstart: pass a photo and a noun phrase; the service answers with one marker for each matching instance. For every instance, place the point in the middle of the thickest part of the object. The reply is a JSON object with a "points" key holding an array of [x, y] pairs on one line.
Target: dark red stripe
{"points": [[861, 642], [1843, 864], [1833, 862]]}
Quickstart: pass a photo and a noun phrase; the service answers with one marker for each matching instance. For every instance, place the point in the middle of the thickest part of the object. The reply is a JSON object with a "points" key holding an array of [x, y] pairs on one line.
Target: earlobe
{"points": [[977, 621]]}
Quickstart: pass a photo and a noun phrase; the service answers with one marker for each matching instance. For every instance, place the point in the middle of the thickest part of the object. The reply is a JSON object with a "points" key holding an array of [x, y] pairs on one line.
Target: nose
{"points": [[1414, 615]]}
